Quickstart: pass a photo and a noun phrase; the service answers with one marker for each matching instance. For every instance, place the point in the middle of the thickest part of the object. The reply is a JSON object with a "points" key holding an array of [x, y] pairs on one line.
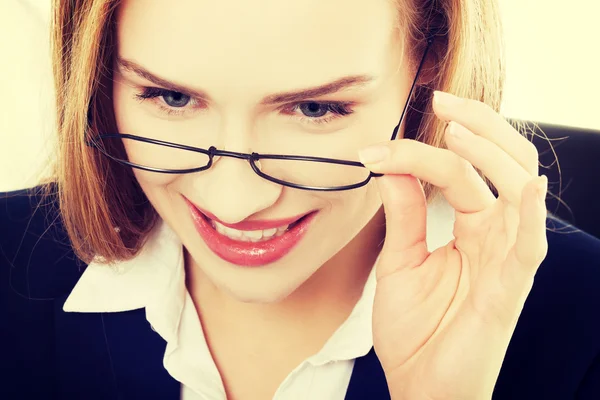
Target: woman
{"points": [[216, 268]]}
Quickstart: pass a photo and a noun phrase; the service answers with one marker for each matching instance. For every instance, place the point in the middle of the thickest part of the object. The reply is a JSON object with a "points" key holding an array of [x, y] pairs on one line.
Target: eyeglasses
{"points": [[296, 171]]}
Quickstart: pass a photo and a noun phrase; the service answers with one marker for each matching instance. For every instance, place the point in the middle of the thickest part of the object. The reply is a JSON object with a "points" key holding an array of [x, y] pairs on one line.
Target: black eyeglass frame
{"points": [[252, 158]]}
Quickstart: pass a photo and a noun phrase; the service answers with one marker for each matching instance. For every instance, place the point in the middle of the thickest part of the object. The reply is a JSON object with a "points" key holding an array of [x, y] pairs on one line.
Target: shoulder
{"points": [[37, 271], [555, 349], [569, 277], [36, 258], [566, 291]]}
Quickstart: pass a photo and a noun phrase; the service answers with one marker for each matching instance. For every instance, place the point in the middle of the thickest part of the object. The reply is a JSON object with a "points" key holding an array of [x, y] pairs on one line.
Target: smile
{"points": [[250, 243], [249, 236]]}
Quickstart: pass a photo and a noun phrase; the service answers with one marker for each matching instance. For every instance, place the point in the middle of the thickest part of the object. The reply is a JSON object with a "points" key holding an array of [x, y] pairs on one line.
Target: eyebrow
{"points": [[339, 85]]}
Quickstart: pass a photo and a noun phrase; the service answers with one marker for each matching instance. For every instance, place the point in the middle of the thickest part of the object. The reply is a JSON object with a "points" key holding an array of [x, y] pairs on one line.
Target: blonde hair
{"points": [[95, 195]]}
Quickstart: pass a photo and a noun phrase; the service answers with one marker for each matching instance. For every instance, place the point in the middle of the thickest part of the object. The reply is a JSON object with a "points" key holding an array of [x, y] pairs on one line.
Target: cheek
{"points": [[154, 181], [355, 208], [369, 202], [163, 196]]}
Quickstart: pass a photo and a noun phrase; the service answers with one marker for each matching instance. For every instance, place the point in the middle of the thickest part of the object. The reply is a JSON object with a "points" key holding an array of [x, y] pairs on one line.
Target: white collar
{"points": [[155, 280]]}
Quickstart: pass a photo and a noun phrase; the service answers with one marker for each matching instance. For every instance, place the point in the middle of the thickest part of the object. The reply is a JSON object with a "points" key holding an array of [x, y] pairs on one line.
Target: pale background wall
{"points": [[553, 64]]}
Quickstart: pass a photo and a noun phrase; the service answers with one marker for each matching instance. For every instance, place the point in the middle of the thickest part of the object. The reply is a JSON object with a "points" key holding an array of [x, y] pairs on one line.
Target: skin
{"points": [[442, 321], [296, 303], [235, 120], [318, 288]]}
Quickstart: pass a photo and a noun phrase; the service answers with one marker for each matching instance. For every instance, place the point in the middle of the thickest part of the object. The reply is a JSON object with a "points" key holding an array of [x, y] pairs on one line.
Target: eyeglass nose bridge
{"points": [[252, 158], [213, 151]]}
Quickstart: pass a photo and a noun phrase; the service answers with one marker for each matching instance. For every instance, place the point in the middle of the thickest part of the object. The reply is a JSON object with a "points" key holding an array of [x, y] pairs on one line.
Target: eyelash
{"points": [[153, 94], [335, 110]]}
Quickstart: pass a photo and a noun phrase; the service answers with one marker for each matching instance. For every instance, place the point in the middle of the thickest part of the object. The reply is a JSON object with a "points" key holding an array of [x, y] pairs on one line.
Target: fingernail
{"points": [[457, 130], [373, 154], [454, 130], [446, 99], [542, 188]]}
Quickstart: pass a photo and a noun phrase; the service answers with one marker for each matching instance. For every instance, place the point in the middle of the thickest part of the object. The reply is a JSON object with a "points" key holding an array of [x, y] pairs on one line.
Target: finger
{"points": [[531, 245], [460, 184], [405, 209], [483, 121], [503, 171]]}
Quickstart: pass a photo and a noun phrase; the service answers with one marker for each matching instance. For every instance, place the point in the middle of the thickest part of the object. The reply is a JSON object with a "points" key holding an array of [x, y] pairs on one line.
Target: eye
{"points": [[314, 110], [168, 101], [176, 99], [319, 113]]}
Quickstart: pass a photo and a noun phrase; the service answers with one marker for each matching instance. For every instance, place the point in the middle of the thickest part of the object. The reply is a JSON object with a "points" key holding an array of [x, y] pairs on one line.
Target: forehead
{"points": [[268, 44]]}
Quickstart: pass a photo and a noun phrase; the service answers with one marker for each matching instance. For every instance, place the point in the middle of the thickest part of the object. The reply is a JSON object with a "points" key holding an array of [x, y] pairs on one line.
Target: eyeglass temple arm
{"points": [[412, 88]]}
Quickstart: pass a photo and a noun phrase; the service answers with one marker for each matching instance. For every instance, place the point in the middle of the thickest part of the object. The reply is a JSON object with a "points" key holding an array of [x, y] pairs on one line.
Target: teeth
{"points": [[269, 232], [252, 234], [233, 233], [248, 236]]}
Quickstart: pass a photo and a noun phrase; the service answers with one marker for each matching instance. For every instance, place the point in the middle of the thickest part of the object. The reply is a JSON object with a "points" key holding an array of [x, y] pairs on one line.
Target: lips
{"points": [[251, 254]]}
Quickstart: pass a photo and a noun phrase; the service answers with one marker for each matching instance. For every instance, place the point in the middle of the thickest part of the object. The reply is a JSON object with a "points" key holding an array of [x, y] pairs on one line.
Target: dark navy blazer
{"points": [[47, 354]]}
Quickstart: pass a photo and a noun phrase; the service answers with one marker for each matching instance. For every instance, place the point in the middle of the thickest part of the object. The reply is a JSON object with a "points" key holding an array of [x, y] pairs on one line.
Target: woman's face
{"points": [[239, 75]]}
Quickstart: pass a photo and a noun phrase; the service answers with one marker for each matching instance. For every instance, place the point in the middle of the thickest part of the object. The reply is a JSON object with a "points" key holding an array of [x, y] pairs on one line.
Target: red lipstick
{"points": [[250, 254]]}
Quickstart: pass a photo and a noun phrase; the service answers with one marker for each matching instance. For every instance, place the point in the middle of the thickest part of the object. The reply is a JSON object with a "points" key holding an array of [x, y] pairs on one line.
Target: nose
{"points": [[232, 191]]}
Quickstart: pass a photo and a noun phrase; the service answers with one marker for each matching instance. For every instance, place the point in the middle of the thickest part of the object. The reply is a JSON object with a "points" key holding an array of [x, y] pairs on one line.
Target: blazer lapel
{"points": [[111, 356], [367, 380], [119, 356]]}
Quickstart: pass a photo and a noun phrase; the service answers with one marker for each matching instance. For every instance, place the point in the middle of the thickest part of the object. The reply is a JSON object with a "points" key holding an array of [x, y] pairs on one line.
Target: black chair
{"points": [[570, 158]]}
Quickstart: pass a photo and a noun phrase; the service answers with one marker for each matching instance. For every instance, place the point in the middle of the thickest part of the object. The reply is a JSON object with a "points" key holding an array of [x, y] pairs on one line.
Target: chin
{"points": [[262, 293]]}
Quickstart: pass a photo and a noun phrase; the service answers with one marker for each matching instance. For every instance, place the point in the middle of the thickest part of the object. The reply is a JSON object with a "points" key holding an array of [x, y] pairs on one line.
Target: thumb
{"points": [[405, 209]]}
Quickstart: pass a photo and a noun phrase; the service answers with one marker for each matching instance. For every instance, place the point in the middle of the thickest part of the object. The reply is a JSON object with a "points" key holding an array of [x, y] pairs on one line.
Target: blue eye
{"points": [[314, 110], [171, 98], [176, 99], [175, 103], [321, 113]]}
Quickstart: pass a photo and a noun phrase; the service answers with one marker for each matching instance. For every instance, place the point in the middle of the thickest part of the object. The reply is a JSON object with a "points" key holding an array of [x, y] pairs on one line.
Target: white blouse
{"points": [[155, 280]]}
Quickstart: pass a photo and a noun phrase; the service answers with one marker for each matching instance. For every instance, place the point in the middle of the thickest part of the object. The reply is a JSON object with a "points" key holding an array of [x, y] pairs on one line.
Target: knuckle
{"points": [[533, 168], [532, 254], [542, 251], [532, 152], [463, 169], [531, 158]]}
